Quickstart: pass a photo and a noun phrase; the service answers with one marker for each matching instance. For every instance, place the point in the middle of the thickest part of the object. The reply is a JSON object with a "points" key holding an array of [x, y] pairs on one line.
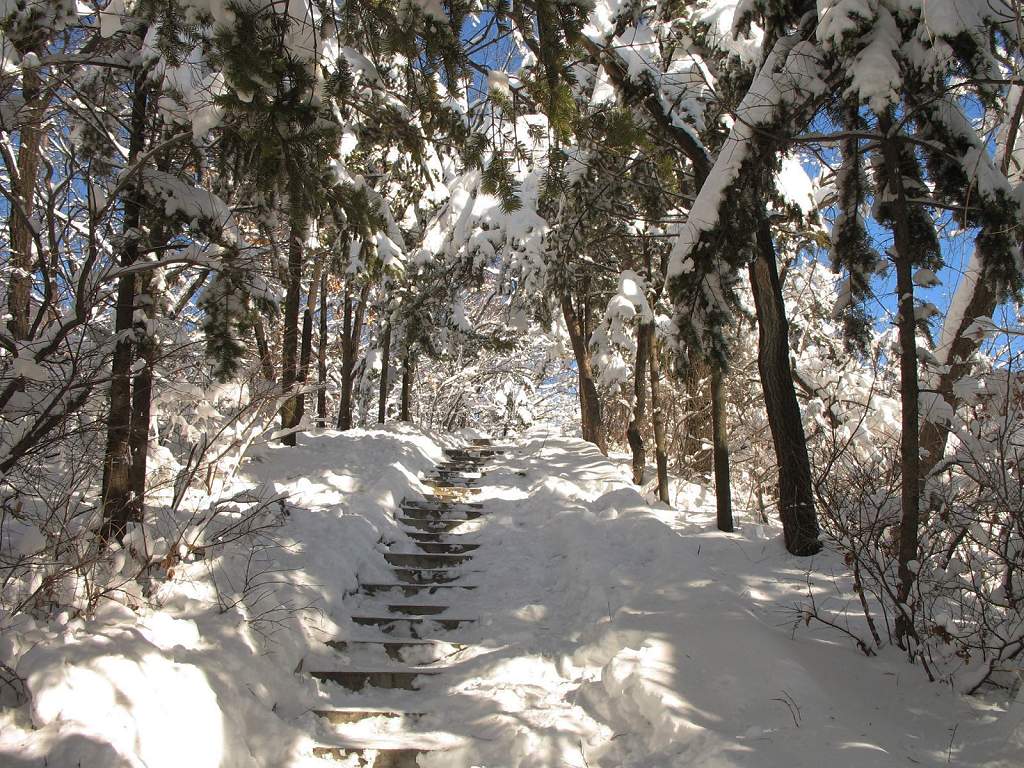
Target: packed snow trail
{"points": [[410, 620], [608, 633]]}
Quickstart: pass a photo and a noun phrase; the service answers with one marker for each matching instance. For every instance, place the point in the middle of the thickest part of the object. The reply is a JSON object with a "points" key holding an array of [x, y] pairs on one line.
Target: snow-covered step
{"points": [[386, 751], [430, 575], [411, 590], [446, 547], [371, 756], [430, 525], [452, 481], [348, 715], [427, 559], [466, 471], [470, 454], [418, 609], [405, 678], [417, 626], [462, 467], [440, 537], [430, 500], [406, 650]]}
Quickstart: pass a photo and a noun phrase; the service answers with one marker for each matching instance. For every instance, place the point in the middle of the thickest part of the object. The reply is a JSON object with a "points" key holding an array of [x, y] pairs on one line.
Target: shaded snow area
{"points": [[610, 633]]}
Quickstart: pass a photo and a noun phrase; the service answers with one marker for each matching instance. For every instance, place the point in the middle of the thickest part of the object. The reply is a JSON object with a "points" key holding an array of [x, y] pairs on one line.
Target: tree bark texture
{"points": [[382, 397], [408, 373], [590, 403], [634, 432], [658, 415], [720, 431], [352, 330], [910, 458], [321, 360], [22, 234], [117, 485], [290, 411]]}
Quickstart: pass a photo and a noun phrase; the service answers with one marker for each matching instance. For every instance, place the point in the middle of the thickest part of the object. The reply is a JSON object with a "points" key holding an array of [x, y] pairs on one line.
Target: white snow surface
{"points": [[612, 633]]}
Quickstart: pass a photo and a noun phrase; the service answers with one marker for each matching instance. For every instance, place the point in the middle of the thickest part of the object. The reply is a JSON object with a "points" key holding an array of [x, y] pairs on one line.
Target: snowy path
{"points": [[564, 623], [591, 629]]}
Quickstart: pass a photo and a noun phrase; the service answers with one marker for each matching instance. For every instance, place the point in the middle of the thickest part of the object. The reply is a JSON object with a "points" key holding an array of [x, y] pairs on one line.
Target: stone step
{"points": [[405, 678], [406, 650], [382, 758], [430, 575], [469, 454], [361, 745], [425, 513], [417, 609], [440, 537], [411, 590], [446, 547], [452, 487], [427, 560], [469, 468], [457, 483], [416, 625], [429, 500], [430, 525]]}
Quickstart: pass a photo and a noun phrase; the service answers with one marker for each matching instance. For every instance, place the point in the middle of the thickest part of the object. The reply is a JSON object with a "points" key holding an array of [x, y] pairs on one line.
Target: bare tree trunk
{"points": [[290, 411], [407, 377], [142, 401], [117, 486], [321, 368], [796, 494], [382, 400], [720, 430], [699, 433], [910, 458], [263, 348], [306, 353], [633, 431], [22, 235], [590, 403], [658, 416]]}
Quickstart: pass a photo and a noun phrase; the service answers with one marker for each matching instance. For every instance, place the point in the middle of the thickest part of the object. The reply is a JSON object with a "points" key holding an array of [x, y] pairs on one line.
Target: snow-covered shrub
{"points": [[967, 605]]}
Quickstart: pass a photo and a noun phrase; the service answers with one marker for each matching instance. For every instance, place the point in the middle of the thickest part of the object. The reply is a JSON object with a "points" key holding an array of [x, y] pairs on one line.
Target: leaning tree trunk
{"points": [[117, 486], [290, 411], [382, 399], [796, 494], [590, 403], [720, 432], [321, 358], [351, 332], [658, 416], [633, 432], [29, 152]]}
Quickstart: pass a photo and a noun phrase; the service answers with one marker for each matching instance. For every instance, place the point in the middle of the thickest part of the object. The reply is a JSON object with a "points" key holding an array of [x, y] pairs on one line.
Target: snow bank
{"points": [[206, 673]]}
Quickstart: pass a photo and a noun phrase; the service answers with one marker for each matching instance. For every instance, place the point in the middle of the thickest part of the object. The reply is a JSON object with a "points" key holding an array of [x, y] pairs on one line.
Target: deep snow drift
{"points": [[611, 633]]}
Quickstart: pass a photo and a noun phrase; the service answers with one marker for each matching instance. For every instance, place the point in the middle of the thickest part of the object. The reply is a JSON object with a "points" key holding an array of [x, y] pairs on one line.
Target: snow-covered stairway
{"points": [[412, 627]]}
